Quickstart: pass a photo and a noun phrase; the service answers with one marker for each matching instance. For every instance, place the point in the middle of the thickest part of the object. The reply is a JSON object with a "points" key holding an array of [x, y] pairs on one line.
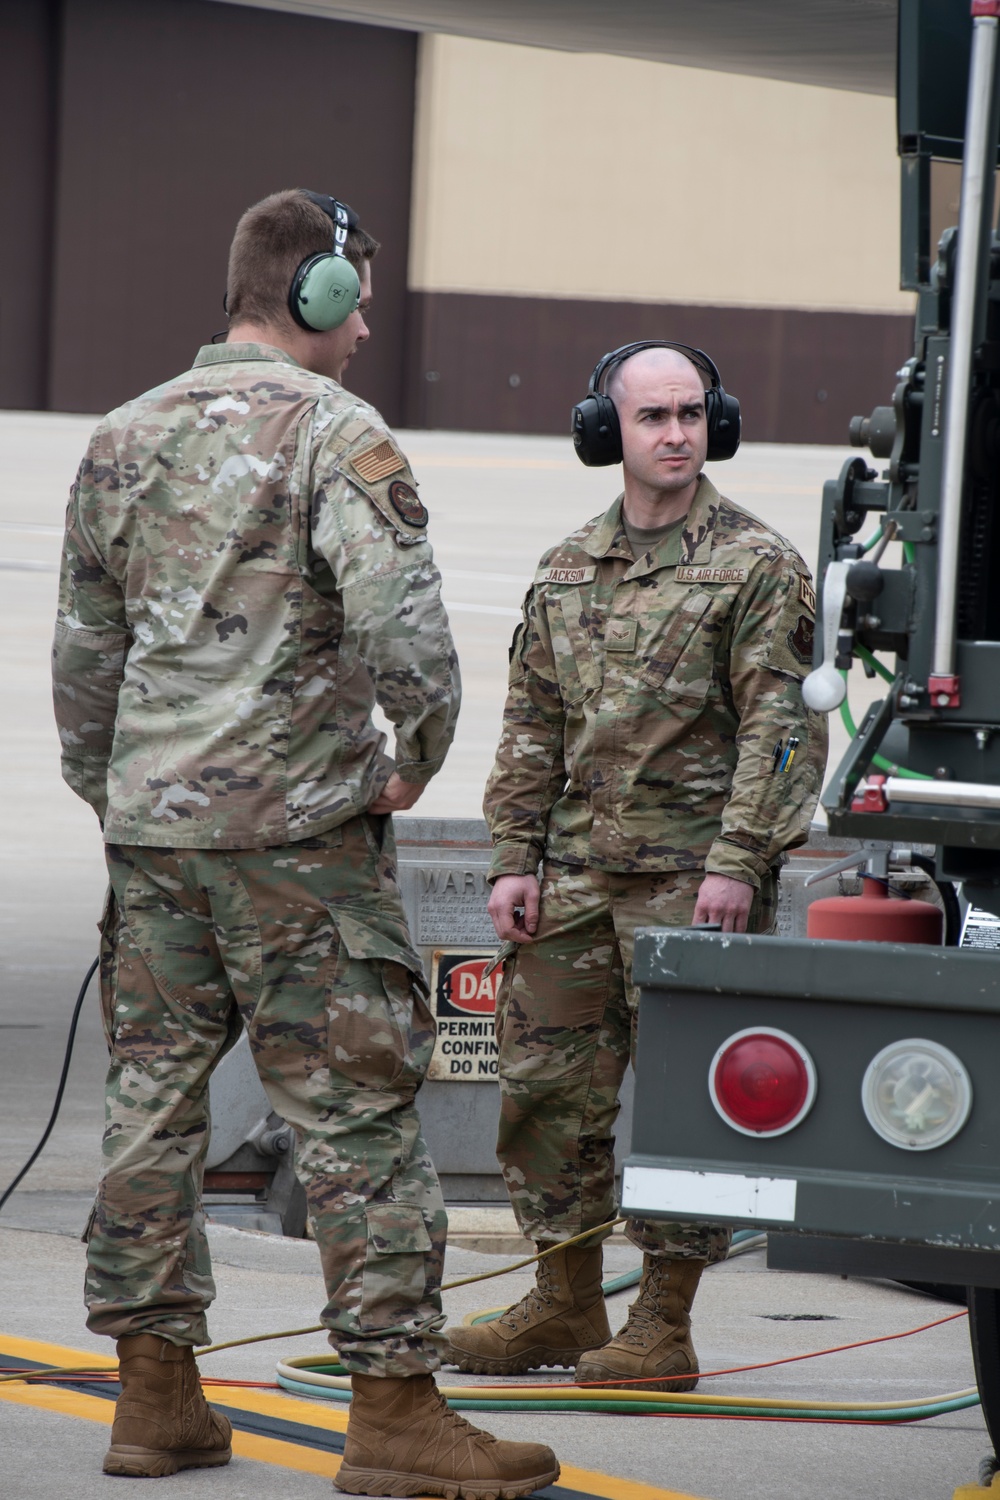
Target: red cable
{"points": [[766, 1364]]}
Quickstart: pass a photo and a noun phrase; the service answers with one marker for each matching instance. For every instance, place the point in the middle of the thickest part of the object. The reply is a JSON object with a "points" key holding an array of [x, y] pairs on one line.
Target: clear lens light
{"points": [[916, 1094]]}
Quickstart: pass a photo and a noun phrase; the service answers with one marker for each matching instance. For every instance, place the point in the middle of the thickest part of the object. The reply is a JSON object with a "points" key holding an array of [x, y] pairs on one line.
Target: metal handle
{"points": [[942, 793], [824, 689], [973, 228]]}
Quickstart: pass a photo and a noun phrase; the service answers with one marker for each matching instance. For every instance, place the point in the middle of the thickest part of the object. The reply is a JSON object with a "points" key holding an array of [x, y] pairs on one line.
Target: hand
{"points": [[509, 893], [396, 796], [724, 900]]}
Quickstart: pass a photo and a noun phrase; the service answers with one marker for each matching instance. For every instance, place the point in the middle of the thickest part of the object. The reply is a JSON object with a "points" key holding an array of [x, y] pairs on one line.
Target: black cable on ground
{"points": [[60, 1090]]}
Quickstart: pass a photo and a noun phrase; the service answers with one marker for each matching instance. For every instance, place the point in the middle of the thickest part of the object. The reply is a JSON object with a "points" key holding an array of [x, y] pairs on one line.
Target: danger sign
{"points": [[464, 998]]}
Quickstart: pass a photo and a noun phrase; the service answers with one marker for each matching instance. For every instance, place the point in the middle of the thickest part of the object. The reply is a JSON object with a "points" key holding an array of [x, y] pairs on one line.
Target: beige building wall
{"points": [[554, 174]]}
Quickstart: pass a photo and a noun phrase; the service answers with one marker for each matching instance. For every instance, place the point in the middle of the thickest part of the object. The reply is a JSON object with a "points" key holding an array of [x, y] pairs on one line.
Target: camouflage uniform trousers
{"points": [[567, 1016], [307, 946]]}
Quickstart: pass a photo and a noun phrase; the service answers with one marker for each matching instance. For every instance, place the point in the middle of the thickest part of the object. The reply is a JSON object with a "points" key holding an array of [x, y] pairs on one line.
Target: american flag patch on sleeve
{"points": [[379, 461]]}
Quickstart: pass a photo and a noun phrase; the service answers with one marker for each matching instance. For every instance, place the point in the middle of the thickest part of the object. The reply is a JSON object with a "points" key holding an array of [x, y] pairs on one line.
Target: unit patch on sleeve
{"points": [[807, 594], [800, 640], [407, 503], [691, 573], [379, 461], [567, 575]]}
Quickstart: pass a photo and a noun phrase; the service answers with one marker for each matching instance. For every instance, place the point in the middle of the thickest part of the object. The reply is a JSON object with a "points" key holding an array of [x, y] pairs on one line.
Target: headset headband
{"points": [[343, 217], [608, 362]]}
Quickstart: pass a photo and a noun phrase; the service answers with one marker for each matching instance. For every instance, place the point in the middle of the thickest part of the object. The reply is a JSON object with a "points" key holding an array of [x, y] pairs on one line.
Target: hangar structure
{"points": [[549, 178]]}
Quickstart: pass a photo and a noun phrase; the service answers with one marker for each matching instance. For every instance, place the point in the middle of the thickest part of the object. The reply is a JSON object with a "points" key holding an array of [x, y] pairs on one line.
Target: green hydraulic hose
{"points": [[879, 761], [336, 1387]]}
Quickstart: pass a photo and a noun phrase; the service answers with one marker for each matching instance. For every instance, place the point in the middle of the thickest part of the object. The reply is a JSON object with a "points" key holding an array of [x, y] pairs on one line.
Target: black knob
{"points": [[865, 581]]}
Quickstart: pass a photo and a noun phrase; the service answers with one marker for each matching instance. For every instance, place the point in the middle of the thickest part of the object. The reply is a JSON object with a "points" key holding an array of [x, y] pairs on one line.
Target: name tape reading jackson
{"points": [[567, 575]]}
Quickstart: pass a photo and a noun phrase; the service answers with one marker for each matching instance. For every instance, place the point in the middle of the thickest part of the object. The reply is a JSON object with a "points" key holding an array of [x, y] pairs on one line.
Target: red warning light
{"points": [[762, 1081]]}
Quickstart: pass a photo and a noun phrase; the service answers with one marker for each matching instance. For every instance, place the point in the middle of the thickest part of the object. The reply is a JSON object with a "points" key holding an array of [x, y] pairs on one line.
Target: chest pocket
{"points": [[678, 652], [572, 627]]}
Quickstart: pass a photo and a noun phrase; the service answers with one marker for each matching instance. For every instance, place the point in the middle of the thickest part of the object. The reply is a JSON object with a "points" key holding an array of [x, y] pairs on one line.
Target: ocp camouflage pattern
{"points": [[566, 1026], [237, 590], [646, 696], [307, 946]]}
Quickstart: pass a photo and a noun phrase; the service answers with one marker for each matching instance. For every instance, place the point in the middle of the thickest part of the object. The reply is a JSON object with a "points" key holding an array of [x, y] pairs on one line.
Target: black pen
{"points": [[776, 756]]}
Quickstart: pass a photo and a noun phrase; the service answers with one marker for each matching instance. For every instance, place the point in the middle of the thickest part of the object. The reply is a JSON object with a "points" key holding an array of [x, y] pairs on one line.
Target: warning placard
{"points": [[981, 929], [464, 998]]}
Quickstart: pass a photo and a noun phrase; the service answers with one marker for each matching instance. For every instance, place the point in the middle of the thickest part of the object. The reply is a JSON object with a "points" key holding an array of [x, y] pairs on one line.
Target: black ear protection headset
{"points": [[597, 434], [326, 288]]}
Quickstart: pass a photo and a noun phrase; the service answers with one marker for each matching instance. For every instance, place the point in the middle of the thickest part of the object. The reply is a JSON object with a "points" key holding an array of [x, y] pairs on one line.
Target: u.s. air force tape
{"points": [[690, 573]]}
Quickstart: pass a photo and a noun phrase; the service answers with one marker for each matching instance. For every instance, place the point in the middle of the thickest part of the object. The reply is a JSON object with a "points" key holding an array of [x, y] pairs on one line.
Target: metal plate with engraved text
{"points": [[451, 905]]}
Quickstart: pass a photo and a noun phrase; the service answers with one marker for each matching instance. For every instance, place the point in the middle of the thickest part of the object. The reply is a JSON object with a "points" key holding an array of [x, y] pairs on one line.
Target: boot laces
{"points": [[646, 1321], [535, 1301], [458, 1425]]}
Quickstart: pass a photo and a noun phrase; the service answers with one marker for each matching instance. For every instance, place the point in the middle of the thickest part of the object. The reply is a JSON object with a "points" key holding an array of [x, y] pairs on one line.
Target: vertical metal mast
{"points": [[974, 222]]}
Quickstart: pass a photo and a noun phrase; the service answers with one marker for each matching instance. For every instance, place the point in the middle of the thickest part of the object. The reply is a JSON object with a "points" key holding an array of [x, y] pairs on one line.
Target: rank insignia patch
{"points": [[407, 503], [378, 462], [800, 640]]}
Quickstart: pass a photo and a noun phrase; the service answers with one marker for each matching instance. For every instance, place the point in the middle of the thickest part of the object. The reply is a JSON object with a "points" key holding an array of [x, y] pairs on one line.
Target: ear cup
{"points": [[724, 424], [325, 291], [597, 435]]}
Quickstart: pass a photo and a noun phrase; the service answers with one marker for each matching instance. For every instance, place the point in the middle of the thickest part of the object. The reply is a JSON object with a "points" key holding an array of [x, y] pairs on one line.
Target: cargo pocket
{"points": [[394, 1284], [381, 1031], [107, 972]]}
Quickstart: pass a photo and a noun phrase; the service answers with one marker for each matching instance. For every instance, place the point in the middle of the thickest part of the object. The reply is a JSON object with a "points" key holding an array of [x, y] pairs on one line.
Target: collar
{"points": [[231, 354], [692, 545]]}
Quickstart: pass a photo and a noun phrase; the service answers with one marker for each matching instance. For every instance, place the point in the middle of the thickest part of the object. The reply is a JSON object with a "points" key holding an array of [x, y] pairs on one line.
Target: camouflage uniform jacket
{"points": [[245, 573], [646, 698]]}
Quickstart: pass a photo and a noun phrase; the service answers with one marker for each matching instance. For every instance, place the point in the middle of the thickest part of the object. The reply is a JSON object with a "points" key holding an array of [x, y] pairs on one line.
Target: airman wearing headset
{"points": [[246, 572], [656, 759]]}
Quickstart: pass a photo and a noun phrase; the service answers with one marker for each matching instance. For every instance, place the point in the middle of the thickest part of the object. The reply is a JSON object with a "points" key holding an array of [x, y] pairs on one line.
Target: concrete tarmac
{"points": [[496, 503]]}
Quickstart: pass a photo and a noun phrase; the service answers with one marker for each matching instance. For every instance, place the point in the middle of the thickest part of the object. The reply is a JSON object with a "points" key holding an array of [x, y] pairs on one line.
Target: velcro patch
{"points": [[619, 635], [407, 503], [567, 575], [689, 573], [800, 640], [379, 461], [807, 595]]}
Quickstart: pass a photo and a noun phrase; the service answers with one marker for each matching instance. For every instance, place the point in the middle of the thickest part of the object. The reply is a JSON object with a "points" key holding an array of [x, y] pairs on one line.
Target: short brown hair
{"points": [[272, 239]]}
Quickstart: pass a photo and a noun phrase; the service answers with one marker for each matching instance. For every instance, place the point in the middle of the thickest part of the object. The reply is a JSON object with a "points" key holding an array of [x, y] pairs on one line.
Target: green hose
{"points": [[879, 761], [636, 1404]]}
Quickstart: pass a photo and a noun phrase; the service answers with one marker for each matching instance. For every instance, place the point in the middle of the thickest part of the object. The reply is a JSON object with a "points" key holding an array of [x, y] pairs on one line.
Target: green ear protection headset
{"points": [[325, 289]]}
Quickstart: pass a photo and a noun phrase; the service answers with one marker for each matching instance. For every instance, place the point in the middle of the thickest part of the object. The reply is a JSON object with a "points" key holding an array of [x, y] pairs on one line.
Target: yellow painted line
{"points": [[246, 1444], [53, 1354], [263, 1449], [65, 1403]]}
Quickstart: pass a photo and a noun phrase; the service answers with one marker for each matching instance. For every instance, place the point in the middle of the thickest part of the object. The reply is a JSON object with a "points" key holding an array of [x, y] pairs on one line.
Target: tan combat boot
{"points": [[656, 1340], [403, 1439], [162, 1421], [560, 1318]]}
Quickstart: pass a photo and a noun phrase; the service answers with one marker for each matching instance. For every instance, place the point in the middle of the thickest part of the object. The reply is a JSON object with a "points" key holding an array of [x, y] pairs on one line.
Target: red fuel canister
{"points": [[874, 917]]}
